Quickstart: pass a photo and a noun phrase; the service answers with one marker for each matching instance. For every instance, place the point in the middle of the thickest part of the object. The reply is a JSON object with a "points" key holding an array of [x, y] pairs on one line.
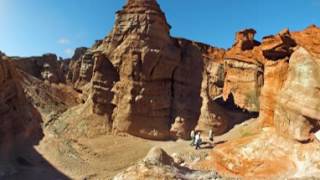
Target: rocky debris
{"points": [[298, 114], [45, 67], [159, 165], [47, 98]]}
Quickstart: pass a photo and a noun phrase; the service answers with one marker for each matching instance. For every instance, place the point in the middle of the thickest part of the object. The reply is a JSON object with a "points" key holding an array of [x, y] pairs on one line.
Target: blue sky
{"points": [[34, 27]]}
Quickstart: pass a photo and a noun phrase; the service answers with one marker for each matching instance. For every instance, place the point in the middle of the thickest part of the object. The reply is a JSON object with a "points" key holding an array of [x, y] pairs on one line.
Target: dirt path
{"points": [[105, 156]]}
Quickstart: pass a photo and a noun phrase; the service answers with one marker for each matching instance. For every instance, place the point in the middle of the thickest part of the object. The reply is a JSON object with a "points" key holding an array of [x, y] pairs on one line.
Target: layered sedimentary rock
{"points": [[86, 70], [289, 110], [276, 52], [140, 48], [72, 66], [156, 82], [243, 89], [19, 122], [45, 67], [186, 89]]}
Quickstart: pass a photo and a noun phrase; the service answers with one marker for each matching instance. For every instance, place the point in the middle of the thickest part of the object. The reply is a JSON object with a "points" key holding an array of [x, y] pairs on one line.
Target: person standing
{"points": [[198, 140], [192, 135], [210, 135]]}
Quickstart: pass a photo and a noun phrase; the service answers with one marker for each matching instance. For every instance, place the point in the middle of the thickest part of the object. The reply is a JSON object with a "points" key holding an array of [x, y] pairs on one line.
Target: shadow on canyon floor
{"points": [[19, 158]]}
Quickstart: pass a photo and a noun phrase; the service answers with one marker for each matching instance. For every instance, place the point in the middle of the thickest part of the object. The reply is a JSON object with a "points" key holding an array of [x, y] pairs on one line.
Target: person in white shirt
{"points": [[198, 140]]}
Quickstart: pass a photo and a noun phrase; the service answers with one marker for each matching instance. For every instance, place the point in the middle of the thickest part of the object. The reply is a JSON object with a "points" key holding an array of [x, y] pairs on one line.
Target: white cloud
{"points": [[69, 52], [63, 41]]}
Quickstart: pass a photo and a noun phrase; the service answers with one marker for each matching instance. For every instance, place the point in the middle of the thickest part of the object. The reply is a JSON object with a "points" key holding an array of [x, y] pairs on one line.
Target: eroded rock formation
{"points": [[298, 114], [159, 165], [19, 122], [156, 80], [46, 67]]}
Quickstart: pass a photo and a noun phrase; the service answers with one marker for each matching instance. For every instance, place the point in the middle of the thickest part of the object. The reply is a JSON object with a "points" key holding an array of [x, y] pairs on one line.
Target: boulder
{"points": [[298, 114]]}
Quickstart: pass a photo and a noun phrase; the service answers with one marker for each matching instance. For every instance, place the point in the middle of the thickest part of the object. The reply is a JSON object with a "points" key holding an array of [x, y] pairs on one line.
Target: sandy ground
{"points": [[102, 157], [105, 156]]}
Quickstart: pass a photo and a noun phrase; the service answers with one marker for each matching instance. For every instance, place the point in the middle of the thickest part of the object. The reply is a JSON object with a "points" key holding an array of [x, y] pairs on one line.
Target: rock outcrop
{"points": [[45, 67], [288, 110], [159, 165], [155, 81], [149, 84], [72, 66], [241, 59], [298, 114], [19, 121]]}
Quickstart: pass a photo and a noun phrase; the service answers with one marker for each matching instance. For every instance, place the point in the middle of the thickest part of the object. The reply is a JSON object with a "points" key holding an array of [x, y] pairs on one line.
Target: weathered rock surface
{"points": [[264, 156], [298, 114], [19, 122], [46, 67], [159, 165], [155, 80], [71, 67], [242, 59], [289, 106]]}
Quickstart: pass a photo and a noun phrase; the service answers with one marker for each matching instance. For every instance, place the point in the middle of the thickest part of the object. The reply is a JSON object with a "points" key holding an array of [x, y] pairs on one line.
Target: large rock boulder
{"points": [[298, 108], [159, 165]]}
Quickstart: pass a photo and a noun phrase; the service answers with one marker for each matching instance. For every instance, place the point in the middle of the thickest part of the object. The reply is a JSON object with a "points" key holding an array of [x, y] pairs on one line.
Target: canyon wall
{"points": [[19, 121], [143, 81]]}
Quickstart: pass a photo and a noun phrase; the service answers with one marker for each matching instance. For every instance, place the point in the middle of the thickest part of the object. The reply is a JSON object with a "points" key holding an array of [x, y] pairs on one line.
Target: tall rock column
{"points": [[144, 55]]}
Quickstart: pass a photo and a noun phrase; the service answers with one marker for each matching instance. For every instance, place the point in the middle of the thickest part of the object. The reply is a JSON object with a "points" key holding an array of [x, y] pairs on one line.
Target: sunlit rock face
{"points": [[276, 51], [298, 108], [156, 82], [244, 72], [86, 70], [72, 66], [45, 67], [143, 54]]}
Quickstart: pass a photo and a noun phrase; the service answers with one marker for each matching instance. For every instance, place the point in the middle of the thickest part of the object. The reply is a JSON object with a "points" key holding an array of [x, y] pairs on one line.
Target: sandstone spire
{"points": [[144, 56]]}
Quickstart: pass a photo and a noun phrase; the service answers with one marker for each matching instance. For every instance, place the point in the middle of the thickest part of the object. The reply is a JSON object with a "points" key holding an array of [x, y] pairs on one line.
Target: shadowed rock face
{"points": [[19, 122]]}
